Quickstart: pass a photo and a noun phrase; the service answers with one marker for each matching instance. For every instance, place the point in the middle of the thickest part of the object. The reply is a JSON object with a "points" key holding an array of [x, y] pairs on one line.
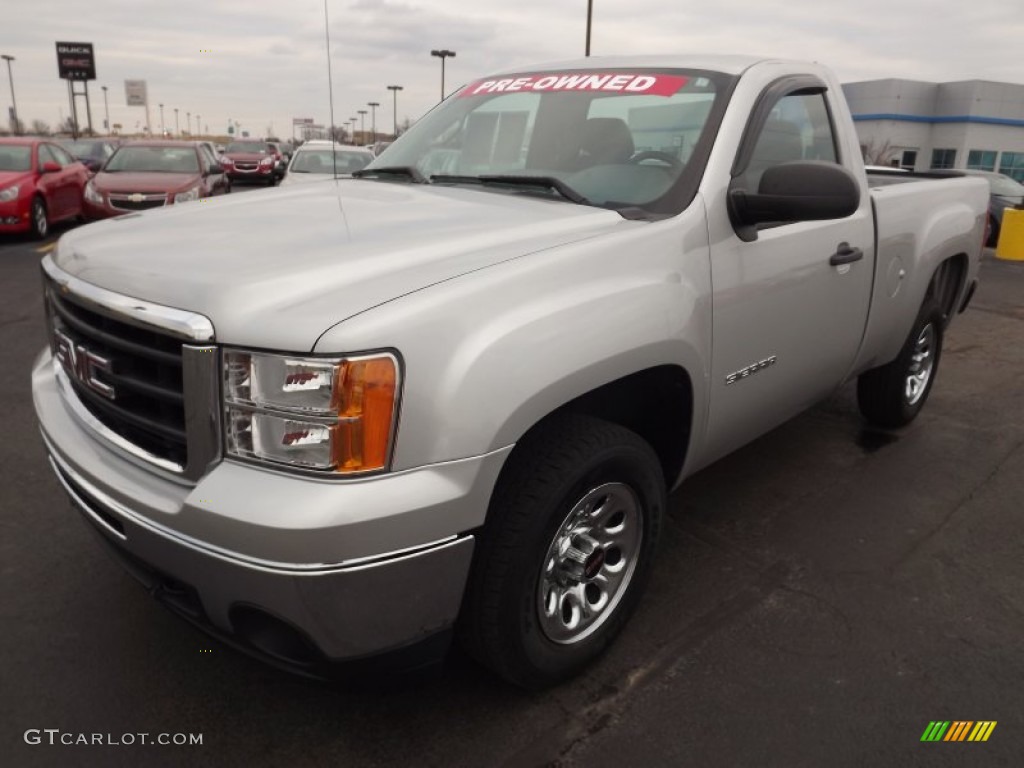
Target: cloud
{"points": [[264, 62]]}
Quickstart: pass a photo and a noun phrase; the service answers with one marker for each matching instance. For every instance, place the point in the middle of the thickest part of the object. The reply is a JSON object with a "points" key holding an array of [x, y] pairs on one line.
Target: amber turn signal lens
{"points": [[366, 391]]}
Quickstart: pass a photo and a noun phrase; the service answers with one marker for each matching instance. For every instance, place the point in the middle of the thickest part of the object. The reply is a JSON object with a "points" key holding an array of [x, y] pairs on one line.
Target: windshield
{"points": [[319, 161], [15, 157], [81, 148], [248, 146], [153, 160], [1004, 186], [618, 139]]}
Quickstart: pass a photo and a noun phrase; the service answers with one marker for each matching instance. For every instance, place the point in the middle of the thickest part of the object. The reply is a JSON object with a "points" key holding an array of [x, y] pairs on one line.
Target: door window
{"points": [[798, 128]]}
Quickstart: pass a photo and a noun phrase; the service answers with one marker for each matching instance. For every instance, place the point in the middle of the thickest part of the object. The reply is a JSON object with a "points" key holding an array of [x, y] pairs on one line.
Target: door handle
{"points": [[845, 254]]}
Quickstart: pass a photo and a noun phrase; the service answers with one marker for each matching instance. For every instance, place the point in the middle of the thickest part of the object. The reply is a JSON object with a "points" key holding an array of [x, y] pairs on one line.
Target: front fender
{"points": [[488, 355]]}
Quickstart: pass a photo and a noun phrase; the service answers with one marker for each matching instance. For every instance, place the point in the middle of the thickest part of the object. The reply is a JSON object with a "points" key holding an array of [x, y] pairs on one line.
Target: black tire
{"points": [[564, 461], [39, 219], [886, 395], [993, 232], [271, 181]]}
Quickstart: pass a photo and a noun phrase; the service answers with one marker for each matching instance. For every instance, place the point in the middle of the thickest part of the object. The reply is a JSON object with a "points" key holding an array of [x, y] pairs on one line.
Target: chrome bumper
{"points": [[349, 569]]}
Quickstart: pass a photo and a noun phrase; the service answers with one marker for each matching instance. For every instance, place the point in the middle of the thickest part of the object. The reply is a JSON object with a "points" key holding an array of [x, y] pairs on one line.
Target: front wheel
{"points": [[40, 221], [892, 395], [568, 546]]}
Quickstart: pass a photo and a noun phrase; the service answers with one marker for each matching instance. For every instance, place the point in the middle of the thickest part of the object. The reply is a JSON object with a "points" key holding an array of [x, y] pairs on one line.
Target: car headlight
{"points": [[187, 196], [331, 414], [267, 161], [9, 193], [91, 195]]}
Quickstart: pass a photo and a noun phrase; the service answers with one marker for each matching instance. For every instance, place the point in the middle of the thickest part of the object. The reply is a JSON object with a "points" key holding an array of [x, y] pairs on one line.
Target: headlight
{"points": [[8, 194], [91, 195], [187, 196], [331, 414], [267, 161]]}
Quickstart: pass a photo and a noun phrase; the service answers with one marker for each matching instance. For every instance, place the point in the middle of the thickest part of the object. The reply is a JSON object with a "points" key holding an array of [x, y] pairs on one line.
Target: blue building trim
{"points": [[943, 119]]}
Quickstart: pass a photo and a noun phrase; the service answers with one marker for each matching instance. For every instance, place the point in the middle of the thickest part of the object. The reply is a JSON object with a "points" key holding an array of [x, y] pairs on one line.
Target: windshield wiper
{"points": [[510, 180], [410, 172]]}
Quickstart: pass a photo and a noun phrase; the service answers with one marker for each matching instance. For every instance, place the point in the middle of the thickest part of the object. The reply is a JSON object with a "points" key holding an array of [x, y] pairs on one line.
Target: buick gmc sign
{"points": [[75, 61]]}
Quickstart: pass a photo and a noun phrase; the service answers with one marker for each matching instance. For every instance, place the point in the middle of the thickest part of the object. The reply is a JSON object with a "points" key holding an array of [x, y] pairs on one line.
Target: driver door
{"points": [[787, 323]]}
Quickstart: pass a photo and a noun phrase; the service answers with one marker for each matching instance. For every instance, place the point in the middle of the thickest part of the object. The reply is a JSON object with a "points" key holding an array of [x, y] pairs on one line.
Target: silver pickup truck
{"points": [[450, 396]]}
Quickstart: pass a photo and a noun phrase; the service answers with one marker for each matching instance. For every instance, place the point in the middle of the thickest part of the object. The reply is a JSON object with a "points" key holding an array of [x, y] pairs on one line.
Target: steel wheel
{"points": [[568, 545], [589, 563], [921, 365], [892, 395]]}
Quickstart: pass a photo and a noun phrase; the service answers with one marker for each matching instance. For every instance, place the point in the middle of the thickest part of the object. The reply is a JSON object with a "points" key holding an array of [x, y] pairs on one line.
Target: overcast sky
{"points": [[262, 63]]}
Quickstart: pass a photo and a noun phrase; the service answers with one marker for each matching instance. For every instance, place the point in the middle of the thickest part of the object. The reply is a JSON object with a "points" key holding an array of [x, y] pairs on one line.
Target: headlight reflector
{"points": [[187, 196], [9, 193], [327, 414]]}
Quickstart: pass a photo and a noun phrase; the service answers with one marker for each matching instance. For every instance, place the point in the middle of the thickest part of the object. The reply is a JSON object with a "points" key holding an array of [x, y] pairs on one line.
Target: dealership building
{"points": [[970, 124]]}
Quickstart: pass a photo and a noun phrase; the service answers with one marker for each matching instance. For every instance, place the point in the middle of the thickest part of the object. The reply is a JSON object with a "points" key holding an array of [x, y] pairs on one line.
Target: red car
{"points": [[40, 183], [252, 160], [152, 174]]}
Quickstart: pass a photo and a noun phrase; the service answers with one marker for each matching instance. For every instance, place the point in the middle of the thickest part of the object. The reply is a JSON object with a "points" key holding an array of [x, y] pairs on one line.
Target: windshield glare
{"points": [[320, 161], [619, 139], [247, 146], [153, 160], [15, 158]]}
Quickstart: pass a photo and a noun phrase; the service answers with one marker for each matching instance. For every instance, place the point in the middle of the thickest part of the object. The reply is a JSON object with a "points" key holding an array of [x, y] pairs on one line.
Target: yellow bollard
{"points": [[1011, 236]]}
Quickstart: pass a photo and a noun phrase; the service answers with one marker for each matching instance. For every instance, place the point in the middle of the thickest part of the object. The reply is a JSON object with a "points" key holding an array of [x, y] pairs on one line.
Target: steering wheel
{"points": [[673, 162]]}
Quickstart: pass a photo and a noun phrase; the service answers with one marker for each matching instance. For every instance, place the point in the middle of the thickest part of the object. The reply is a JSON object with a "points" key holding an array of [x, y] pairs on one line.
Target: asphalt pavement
{"points": [[820, 597]]}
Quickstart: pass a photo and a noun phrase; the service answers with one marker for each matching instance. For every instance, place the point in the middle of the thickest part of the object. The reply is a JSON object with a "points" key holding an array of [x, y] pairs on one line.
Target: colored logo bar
{"points": [[958, 730]]}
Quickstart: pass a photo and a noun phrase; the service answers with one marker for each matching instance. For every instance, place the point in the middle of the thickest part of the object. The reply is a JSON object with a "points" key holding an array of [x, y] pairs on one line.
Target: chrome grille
{"points": [[143, 377], [145, 374], [137, 201], [245, 165]]}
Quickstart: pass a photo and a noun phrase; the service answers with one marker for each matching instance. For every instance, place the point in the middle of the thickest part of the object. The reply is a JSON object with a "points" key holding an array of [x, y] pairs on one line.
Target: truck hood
{"points": [[276, 268]]}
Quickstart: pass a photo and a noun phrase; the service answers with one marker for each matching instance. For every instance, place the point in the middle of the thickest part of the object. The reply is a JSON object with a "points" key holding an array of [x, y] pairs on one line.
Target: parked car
{"points": [[280, 161], [40, 183], [314, 160], [93, 153], [437, 402], [152, 174], [251, 160], [1004, 192]]}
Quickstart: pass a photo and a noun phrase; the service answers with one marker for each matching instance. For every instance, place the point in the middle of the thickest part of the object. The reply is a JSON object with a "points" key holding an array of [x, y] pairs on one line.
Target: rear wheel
{"points": [[993, 232], [40, 221], [892, 395], [568, 546]]}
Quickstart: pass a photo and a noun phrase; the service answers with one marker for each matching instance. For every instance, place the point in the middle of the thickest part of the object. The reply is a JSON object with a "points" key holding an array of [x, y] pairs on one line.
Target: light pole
{"points": [[395, 89], [106, 109], [352, 122], [590, 13], [442, 55], [362, 123], [177, 128], [188, 122], [373, 119], [14, 104], [163, 132], [198, 129]]}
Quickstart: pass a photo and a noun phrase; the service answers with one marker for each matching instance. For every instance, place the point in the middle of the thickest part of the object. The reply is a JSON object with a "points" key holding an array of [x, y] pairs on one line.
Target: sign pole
{"points": [[74, 110], [88, 107]]}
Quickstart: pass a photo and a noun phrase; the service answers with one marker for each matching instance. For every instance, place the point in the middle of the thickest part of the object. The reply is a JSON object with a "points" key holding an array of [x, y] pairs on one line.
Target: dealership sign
{"points": [[75, 61]]}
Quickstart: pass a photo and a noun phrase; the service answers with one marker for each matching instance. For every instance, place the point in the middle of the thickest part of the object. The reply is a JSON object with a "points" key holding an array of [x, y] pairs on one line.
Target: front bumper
{"points": [[340, 595], [15, 216]]}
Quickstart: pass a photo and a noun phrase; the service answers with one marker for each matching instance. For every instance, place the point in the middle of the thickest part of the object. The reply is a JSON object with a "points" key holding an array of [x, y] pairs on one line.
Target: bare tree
{"points": [[40, 128], [883, 153]]}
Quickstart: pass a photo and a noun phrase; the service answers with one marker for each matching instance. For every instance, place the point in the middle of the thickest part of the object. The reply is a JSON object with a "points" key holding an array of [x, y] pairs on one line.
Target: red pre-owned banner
{"points": [[635, 84]]}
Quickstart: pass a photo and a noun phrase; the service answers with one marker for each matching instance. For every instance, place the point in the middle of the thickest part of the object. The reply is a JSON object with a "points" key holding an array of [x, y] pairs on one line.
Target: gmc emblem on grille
{"points": [[81, 364]]}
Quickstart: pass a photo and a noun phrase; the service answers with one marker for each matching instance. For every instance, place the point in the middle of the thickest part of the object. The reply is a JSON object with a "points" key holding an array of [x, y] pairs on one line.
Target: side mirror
{"points": [[805, 190], [50, 167]]}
